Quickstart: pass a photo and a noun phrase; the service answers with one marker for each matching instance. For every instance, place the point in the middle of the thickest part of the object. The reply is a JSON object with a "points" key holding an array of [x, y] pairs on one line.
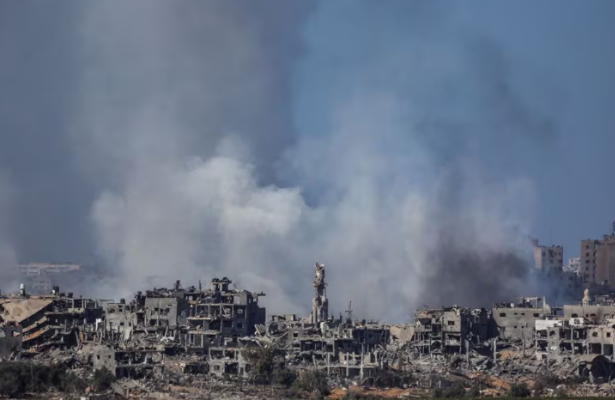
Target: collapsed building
{"points": [[449, 329], [207, 322], [341, 346], [212, 330], [584, 329], [130, 338], [55, 320]]}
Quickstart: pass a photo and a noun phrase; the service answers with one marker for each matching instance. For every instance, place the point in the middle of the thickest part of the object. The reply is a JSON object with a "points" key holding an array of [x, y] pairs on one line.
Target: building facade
{"points": [[548, 258], [598, 261]]}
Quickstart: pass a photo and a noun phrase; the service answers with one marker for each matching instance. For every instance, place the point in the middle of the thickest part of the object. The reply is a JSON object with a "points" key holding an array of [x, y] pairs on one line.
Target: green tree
{"points": [[313, 381], [103, 378], [520, 390]]}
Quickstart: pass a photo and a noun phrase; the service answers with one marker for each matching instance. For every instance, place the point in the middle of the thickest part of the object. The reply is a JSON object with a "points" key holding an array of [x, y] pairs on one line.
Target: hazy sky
{"points": [[398, 142], [559, 57]]}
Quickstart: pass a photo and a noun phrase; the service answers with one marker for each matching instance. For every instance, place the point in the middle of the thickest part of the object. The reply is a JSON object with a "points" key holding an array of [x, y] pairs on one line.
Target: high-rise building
{"points": [[588, 260], [598, 260]]}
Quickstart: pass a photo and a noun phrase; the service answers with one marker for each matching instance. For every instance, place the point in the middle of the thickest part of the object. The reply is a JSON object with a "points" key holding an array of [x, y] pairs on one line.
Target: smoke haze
{"points": [[396, 142]]}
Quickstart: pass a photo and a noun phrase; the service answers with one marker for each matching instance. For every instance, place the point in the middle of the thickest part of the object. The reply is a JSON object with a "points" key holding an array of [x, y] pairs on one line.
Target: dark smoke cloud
{"points": [[37, 77], [427, 167]]}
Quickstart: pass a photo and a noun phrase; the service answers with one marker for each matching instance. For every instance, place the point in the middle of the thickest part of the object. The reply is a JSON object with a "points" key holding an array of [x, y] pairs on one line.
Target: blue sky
{"points": [[559, 59]]}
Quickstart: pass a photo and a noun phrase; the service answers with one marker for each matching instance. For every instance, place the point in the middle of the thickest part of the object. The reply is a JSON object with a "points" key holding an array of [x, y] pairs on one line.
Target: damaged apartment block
{"points": [[222, 315], [449, 330], [218, 330], [55, 320]]}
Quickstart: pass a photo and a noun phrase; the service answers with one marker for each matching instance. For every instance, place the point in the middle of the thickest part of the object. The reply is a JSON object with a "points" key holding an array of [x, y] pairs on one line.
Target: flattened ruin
{"points": [[214, 331]]}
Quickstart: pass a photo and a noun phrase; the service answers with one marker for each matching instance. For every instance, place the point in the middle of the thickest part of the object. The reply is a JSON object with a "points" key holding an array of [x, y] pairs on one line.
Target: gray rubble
{"points": [[193, 337]]}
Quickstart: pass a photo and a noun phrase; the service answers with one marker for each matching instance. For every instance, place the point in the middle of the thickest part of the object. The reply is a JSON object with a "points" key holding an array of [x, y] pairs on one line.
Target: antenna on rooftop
{"points": [[613, 229]]}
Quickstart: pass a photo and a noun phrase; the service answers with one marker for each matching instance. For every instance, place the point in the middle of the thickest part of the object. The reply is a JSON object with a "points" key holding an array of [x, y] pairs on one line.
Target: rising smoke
{"points": [[190, 126]]}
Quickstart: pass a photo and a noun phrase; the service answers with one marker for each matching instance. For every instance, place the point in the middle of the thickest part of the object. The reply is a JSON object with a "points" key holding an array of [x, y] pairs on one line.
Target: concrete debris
{"points": [[179, 342]]}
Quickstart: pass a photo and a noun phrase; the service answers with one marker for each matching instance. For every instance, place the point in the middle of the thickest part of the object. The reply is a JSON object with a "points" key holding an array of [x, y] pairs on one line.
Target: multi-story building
{"points": [[598, 261], [517, 320], [548, 259], [449, 329], [222, 314]]}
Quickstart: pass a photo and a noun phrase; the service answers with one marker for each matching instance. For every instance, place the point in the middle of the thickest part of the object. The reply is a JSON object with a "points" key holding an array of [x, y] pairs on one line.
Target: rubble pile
{"points": [[186, 342]]}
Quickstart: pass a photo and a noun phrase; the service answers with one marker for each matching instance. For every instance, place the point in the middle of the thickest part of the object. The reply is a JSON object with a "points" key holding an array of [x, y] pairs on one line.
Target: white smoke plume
{"points": [[184, 113], [189, 122]]}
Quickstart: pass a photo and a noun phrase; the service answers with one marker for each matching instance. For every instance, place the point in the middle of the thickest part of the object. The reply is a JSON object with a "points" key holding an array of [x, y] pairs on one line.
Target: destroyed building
{"points": [[584, 336], [449, 329], [129, 363], [53, 320], [216, 330], [222, 314], [597, 313], [10, 341], [517, 320], [343, 347]]}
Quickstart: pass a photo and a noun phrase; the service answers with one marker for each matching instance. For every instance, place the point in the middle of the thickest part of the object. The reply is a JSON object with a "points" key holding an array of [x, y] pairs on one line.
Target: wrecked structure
{"points": [[221, 315], [343, 347], [584, 329], [449, 329], [10, 341], [48, 321], [517, 320], [212, 331]]}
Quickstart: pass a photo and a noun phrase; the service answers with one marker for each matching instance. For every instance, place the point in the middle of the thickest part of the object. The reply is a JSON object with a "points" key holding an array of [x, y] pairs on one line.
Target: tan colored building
{"points": [[548, 259], [598, 261]]}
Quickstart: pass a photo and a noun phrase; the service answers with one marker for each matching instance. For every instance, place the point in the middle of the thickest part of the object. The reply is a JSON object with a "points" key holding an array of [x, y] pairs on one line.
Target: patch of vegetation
{"points": [[520, 390], [102, 380], [354, 396], [265, 363], [358, 396], [455, 391], [284, 376], [18, 378], [474, 392], [313, 381], [546, 381], [71, 383], [391, 378]]}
